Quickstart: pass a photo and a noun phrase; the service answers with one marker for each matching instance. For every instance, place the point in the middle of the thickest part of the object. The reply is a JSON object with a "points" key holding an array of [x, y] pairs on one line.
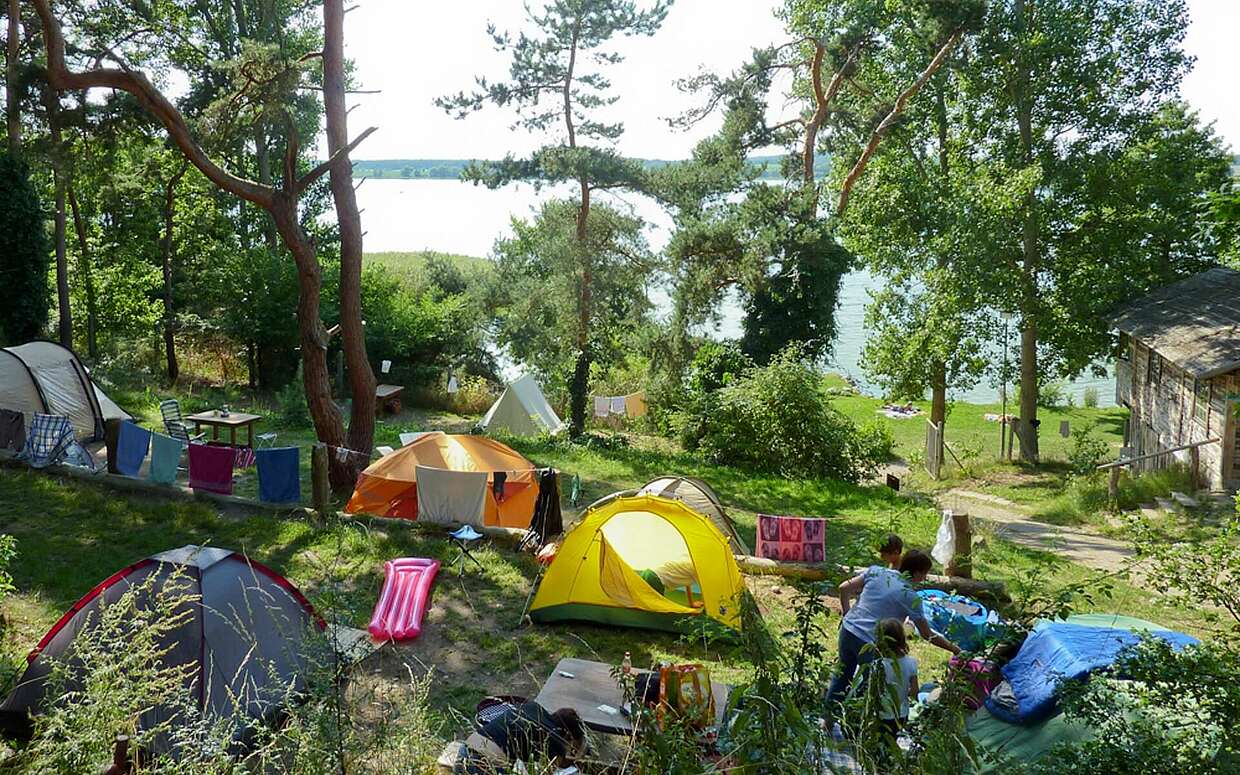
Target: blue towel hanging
{"points": [[279, 475], [131, 445]]}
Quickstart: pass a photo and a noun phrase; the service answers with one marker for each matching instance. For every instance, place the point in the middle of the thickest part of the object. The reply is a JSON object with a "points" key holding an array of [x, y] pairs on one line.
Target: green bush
{"points": [[715, 365], [1089, 398], [779, 418], [1087, 451]]}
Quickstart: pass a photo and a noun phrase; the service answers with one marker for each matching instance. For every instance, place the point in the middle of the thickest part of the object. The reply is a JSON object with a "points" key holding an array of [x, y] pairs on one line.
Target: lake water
{"points": [[454, 217]]}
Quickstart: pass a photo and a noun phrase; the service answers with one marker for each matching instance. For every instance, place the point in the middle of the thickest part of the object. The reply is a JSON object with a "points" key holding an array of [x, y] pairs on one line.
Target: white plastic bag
{"points": [[945, 544]]}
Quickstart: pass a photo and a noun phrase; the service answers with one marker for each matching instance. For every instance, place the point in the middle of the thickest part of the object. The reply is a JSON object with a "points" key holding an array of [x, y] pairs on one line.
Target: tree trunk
{"points": [[579, 387], [88, 278], [63, 303], [1027, 429], [12, 106], [167, 251], [340, 178]]}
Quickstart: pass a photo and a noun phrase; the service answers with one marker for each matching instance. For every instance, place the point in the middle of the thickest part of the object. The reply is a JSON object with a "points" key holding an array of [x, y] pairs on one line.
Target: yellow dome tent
{"points": [[612, 564]]}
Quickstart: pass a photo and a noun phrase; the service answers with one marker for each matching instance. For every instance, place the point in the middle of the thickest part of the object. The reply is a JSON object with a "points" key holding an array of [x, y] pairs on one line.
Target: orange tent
{"points": [[389, 487]]}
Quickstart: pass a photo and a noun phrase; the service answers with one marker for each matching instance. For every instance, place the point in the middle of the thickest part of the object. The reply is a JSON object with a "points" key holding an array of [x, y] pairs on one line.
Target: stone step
{"points": [[1187, 501], [1167, 504]]}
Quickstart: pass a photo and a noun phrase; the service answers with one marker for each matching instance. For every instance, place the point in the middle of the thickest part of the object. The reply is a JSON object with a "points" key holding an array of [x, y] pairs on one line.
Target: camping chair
{"points": [[174, 422], [463, 537]]}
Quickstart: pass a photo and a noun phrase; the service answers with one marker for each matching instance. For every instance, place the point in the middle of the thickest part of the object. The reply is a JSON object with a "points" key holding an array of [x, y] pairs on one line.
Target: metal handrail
{"points": [[1130, 460]]}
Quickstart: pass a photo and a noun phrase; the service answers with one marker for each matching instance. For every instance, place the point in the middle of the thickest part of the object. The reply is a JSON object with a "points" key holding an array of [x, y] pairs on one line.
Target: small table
{"points": [[592, 686], [388, 397], [215, 420]]}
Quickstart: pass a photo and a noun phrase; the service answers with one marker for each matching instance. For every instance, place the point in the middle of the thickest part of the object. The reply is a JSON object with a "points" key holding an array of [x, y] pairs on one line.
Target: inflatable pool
{"points": [[402, 603]]}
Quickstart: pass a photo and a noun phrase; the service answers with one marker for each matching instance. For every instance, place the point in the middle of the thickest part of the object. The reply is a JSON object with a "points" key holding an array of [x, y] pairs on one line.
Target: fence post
{"points": [[321, 490], [961, 563], [1113, 488]]}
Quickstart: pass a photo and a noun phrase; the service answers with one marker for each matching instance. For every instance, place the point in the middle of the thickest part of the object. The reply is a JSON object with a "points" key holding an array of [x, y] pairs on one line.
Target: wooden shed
{"points": [[1179, 375]]}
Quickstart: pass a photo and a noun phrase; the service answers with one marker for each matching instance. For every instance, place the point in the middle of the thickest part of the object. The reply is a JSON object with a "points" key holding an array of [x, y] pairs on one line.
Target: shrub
{"points": [[291, 400], [1089, 398], [1087, 451], [778, 418], [715, 365], [24, 254]]}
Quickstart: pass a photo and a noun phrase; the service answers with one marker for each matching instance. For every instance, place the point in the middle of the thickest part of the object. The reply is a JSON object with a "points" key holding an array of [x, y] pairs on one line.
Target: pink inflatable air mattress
{"points": [[402, 603]]}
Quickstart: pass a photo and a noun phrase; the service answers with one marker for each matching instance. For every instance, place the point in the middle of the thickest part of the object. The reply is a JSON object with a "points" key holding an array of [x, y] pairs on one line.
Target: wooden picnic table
{"points": [[592, 687], [388, 397], [215, 419]]}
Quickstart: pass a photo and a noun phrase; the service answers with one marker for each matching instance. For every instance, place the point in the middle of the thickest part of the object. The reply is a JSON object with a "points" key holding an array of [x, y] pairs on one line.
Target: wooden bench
{"points": [[387, 398]]}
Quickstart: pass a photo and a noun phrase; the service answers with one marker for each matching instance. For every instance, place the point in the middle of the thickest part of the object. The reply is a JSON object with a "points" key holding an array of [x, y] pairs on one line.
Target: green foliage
{"points": [[25, 255], [1174, 713], [779, 418], [421, 332], [1087, 452], [291, 401], [540, 288], [715, 365], [1089, 398]]}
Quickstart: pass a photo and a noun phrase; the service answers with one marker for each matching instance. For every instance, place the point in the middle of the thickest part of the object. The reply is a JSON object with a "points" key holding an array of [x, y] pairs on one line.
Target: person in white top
{"points": [[899, 673]]}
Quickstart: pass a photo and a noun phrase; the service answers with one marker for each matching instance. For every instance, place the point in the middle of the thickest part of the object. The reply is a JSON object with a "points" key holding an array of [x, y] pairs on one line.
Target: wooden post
{"points": [[961, 563], [1194, 461], [1113, 489], [121, 764], [321, 489]]}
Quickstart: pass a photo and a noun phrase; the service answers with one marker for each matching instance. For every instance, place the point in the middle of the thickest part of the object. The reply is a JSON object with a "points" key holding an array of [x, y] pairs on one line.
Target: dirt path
{"points": [[1079, 546]]}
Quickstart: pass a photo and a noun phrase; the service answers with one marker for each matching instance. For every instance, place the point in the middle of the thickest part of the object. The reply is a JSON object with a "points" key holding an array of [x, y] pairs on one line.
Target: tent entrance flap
{"points": [[620, 583]]}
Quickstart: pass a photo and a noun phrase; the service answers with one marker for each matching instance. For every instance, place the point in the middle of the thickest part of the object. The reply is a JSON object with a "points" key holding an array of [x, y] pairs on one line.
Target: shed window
{"points": [[1201, 408]]}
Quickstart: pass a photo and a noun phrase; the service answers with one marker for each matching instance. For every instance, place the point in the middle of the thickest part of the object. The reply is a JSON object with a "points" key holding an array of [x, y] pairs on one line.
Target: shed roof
{"points": [[1194, 323]]}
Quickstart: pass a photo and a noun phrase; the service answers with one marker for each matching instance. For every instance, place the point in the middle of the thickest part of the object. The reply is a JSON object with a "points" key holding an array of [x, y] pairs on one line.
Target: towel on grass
{"points": [[211, 468], [165, 458], [279, 475], [792, 539], [131, 445]]}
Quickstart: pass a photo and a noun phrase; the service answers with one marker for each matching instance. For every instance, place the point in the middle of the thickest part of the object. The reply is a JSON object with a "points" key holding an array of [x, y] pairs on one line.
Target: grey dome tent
{"points": [[698, 496], [246, 638], [46, 377], [522, 410]]}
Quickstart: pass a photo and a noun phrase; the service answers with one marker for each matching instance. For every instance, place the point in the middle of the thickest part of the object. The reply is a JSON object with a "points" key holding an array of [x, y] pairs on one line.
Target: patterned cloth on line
{"points": [[131, 445], [279, 478], [792, 539], [165, 458], [51, 441], [617, 405], [211, 468], [602, 405], [12, 429]]}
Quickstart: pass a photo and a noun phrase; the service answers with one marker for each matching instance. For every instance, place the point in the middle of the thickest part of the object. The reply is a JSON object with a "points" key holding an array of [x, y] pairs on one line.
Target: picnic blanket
{"points": [[12, 429], [165, 458], [211, 468], [279, 477], [792, 539], [132, 443], [51, 441], [1059, 651]]}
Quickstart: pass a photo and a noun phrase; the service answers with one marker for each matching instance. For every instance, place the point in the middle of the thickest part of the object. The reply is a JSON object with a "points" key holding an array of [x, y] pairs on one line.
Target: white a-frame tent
{"points": [[522, 410], [46, 377]]}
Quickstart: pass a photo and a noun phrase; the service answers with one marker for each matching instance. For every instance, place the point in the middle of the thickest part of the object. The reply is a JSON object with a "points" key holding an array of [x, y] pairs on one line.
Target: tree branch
{"points": [[136, 83], [876, 138], [308, 179]]}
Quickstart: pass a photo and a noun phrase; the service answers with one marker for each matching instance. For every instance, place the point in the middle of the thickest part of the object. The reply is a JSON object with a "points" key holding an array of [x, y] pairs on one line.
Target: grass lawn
{"points": [[72, 535]]}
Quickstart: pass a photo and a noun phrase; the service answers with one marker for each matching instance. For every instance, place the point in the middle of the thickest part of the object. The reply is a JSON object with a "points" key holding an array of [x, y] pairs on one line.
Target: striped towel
{"points": [[792, 539]]}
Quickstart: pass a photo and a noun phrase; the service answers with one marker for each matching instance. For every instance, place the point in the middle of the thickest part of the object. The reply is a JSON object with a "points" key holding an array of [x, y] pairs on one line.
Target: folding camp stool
{"points": [[266, 440], [462, 537]]}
